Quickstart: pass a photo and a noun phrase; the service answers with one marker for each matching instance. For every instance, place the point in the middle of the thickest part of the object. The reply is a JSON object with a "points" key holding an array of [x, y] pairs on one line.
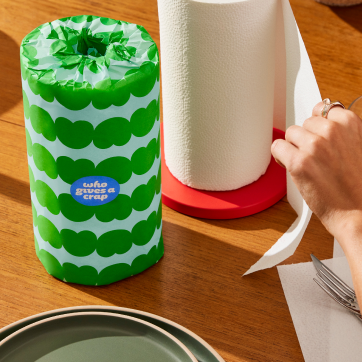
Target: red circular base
{"points": [[247, 200]]}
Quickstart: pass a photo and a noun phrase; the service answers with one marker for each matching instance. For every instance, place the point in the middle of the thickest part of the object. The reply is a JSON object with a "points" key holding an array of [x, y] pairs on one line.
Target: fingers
{"points": [[316, 134], [338, 120], [336, 114], [283, 152], [320, 126], [299, 136], [317, 110]]}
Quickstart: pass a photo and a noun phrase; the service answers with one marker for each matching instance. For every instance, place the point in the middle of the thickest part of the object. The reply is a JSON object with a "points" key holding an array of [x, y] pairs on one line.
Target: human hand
{"points": [[324, 158]]}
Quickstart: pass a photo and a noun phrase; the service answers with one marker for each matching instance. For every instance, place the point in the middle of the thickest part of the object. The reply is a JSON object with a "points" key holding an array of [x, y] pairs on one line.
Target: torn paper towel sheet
{"points": [[325, 330], [228, 66]]}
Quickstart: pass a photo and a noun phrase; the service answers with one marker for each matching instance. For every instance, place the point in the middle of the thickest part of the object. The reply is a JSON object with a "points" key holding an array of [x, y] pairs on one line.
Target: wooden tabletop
{"points": [[198, 283]]}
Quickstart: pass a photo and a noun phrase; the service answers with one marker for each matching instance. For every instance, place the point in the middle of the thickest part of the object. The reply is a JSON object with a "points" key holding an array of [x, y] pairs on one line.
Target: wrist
{"points": [[348, 232], [349, 235]]}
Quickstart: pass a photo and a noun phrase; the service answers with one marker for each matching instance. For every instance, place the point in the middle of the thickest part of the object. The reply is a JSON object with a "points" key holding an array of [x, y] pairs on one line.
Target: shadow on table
{"points": [[350, 14], [278, 217], [15, 189], [188, 254], [198, 284], [187, 260], [10, 90]]}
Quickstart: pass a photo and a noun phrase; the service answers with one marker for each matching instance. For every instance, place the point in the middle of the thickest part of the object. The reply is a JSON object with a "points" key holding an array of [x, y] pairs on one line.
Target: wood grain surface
{"points": [[198, 283]]}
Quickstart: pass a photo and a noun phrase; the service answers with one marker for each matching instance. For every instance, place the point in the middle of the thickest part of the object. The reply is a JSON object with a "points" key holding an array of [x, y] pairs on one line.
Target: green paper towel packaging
{"points": [[91, 105]]}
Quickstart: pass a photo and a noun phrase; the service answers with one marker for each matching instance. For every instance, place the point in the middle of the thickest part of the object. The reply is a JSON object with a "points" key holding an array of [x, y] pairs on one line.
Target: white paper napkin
{"points": [[326, 331]]}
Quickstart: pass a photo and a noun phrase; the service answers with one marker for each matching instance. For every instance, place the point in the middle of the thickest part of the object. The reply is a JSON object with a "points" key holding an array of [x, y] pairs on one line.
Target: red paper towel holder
{"points": [[245, 201]]}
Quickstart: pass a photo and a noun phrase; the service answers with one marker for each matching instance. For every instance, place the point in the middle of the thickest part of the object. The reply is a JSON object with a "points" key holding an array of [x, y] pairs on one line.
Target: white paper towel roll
{"points": [[218, 65], [228, 68]]}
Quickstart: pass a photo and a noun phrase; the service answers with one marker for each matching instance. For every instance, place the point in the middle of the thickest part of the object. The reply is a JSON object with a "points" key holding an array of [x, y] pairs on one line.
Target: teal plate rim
{"points": [[92, 325], [197, 346]]}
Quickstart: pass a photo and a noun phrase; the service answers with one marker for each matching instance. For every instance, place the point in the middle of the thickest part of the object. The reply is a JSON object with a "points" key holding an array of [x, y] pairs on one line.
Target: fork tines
{"points": [[336, 288]]}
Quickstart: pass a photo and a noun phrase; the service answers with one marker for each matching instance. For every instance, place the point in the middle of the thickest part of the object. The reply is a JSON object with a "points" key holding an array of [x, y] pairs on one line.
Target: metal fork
{"points": [[336, 288]]}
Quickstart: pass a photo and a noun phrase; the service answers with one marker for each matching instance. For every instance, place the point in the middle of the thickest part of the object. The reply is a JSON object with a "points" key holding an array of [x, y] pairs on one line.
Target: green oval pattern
{"points": [[51, 264], [47, 197], [142, 195], [120, 208], [88, 275], [78, 244], [85, 242], [143, 119], [42, 122], [143, 158], [119, 168], [75, 135], [85, 274], [44, 160], [138, 82], [142, 232], [114, 242], [49, 232], [70, 171], [113, 131]]}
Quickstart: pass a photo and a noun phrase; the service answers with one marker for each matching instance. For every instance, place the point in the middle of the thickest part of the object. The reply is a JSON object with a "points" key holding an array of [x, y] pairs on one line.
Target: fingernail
{"points": [[279, 163]]}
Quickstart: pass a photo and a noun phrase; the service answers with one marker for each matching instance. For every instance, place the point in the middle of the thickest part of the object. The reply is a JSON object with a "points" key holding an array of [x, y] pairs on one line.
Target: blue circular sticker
{"points": [[95, 190]]}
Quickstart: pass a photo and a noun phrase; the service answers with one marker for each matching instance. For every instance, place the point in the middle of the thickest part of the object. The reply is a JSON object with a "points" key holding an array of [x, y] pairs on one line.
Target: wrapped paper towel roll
{"points": [[91, 106], [230, 70]]}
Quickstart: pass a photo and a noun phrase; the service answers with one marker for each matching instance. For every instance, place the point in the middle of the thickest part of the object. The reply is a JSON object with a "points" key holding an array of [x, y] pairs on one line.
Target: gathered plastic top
{"points": [[99, 60]]}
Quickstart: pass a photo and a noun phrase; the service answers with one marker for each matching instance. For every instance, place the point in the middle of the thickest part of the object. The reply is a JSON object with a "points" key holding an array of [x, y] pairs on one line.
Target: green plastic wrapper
{"points": [[91, 104]]}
